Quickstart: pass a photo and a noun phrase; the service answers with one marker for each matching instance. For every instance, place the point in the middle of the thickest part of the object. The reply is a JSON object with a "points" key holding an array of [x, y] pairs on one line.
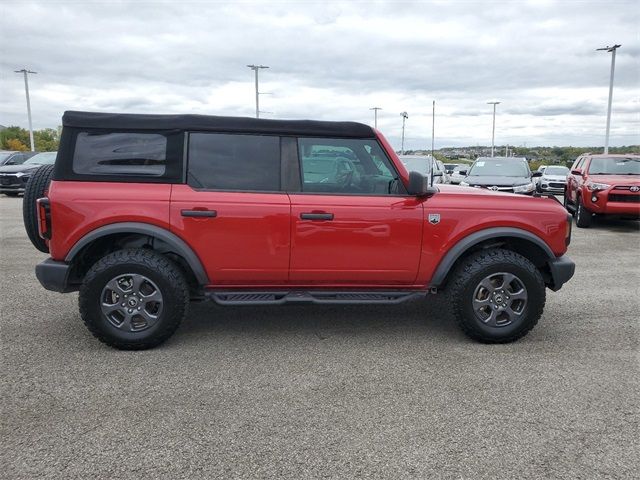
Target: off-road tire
{"points": [[158, 268], [36, 188], [466, 278], [583, 216]]}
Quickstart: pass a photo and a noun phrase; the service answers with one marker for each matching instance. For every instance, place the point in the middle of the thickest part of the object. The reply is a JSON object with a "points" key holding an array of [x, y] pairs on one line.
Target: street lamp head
{"points": [[256, 67], [404, 114], [493, 103], [608, 48]]}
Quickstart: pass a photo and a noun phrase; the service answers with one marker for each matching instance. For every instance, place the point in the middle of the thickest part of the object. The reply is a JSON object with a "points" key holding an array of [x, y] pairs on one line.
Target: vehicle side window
{"points": [[578, 164], [120, 153], [346, 166], [234, 162]]}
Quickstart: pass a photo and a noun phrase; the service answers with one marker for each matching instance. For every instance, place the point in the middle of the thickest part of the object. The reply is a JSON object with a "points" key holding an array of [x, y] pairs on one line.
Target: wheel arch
{"points": [[521, 241], [142, 235]]}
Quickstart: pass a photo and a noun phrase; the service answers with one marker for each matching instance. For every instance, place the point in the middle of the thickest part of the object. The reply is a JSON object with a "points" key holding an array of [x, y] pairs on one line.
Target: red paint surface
{"points": [[258, 239]]}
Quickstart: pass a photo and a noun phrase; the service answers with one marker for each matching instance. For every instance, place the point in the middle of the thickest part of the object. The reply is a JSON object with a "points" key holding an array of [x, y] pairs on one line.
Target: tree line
{"points": [[16, 138]]}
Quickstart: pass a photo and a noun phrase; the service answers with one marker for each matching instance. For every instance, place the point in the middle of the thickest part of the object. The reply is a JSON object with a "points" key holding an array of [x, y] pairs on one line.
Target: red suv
{"points": [[604, 185], [143, 213]]}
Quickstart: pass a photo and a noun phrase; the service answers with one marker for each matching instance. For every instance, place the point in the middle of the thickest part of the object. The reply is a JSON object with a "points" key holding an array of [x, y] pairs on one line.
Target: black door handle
{"points": [[316, 216], [198, 213]]}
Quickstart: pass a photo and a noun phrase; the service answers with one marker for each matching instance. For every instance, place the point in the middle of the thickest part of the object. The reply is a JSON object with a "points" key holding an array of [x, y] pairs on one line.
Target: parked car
{"points": [[449, 167], [8, 157], [553, 180], [501, 174], [603, 184], [13, 178], [443, 170], [423, 164], [140, 232], [456, 177]]}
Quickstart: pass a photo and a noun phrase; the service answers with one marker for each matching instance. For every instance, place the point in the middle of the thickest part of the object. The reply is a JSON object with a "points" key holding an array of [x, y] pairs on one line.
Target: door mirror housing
{"points": [[536, 174], [437, 173], [576, 171], [419, 185], [462, 172]]}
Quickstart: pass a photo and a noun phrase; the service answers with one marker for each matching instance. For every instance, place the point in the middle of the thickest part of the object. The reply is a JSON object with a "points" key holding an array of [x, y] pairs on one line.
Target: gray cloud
{"points": [[331, 60]]}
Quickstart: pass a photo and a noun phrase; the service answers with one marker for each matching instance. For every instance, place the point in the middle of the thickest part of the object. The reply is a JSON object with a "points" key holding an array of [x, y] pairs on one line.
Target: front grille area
{"points": [[613, 197], [556, 185]]}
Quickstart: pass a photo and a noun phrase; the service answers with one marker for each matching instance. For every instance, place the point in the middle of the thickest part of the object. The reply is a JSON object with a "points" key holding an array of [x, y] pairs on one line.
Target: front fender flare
{"points": [[469, 241]]}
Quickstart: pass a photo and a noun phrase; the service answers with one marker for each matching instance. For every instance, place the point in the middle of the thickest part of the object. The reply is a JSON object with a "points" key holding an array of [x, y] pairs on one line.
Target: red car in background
{"points": [[603, 184]]}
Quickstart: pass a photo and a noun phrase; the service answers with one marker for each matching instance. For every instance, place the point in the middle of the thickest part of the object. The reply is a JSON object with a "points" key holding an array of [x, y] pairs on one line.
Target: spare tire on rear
{"points": [[36, 188]]}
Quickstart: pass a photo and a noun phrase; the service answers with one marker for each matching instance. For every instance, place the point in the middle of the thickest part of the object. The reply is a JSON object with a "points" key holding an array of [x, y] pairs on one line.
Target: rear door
{"points": [[351, 222], [232, 211]]}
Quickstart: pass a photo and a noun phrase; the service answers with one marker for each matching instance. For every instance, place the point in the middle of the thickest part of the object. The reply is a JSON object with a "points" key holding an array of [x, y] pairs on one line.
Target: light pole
{"points": [[375, 116], [612, 50], [255, 68], [404, 116], [25, 72], [493, 129], [433, 127]]}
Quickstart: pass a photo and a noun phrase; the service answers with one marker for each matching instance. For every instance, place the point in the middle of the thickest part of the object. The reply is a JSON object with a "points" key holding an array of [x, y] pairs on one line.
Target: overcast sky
{"points": [[334, 60]]}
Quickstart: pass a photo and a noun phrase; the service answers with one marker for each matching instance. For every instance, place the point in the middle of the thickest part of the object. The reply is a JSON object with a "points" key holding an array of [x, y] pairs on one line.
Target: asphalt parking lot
{"points": [[326, 392]]}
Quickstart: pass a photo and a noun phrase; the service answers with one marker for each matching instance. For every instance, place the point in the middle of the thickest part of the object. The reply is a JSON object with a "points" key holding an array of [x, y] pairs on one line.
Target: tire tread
{"points": [[155, 262], [480, 261]]}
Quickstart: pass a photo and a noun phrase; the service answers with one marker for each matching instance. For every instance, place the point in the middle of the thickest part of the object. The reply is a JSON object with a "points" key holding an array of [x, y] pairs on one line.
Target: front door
{"points": [[351, 225]]}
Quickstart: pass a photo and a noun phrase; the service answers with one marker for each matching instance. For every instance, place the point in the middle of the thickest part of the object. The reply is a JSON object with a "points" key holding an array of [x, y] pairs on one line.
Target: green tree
{"points": [[46, 140]]}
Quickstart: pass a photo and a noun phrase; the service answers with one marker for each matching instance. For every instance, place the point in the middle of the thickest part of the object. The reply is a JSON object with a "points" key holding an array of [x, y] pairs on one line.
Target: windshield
{"points": [[47, 158], [421, 165], [615, 166], [499, 167], [556, 171]]}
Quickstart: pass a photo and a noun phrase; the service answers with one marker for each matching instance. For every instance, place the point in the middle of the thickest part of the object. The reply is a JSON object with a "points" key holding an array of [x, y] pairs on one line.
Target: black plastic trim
{"points": [[177, 244], [467, 242], [54, 276], [199, 213], [281, 297], [562, 269]]}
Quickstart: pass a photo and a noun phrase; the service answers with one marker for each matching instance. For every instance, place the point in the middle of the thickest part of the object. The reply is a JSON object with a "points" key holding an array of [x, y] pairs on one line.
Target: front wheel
{"points": [[583, 216], [497, 296], [133, 299]]}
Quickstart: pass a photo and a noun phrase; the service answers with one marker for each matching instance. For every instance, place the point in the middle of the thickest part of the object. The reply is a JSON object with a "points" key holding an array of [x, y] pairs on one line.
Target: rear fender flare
{"points": [[178, 245]]}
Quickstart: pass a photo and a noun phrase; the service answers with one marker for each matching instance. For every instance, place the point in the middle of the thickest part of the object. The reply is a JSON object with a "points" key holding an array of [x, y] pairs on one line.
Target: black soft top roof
{"points": [[217, 124]]}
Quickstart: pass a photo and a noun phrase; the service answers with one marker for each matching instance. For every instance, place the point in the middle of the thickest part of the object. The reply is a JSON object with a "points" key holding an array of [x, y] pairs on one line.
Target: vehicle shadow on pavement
{"points": [[428, 317], [615, 224]]}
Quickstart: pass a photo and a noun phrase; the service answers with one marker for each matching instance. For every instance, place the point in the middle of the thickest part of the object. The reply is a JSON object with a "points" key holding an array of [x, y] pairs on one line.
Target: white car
{"points": [[553, 180], [455, 176], [424, 164]]}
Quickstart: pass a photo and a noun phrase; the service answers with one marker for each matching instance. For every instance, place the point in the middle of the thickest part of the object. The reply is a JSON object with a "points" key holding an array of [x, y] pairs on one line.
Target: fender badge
{"points": [[434, 218]]}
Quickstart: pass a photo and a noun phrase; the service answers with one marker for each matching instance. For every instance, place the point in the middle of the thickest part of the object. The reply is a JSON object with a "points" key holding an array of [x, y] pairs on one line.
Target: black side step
{"points": [[326, 297]]}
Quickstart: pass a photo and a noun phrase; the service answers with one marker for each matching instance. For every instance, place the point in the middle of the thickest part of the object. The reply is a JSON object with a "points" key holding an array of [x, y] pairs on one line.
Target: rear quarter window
{"points": [[120, 153]]}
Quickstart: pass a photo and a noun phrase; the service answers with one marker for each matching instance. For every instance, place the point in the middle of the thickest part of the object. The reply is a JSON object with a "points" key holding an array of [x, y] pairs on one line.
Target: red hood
{"points": [[616, 179]]}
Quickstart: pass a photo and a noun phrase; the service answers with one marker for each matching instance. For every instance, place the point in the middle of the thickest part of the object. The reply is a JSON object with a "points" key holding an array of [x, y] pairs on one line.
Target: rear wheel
{"points": [[497, 296], [133, 299], [36, 188], [583, 216]]}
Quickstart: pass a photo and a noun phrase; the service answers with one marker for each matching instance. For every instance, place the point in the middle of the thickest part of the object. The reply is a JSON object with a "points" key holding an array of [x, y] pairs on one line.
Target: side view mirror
{"points": [[437, 173], [463, 172], [576, 171], [11, 162], [536, 174], [419, 185]]}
